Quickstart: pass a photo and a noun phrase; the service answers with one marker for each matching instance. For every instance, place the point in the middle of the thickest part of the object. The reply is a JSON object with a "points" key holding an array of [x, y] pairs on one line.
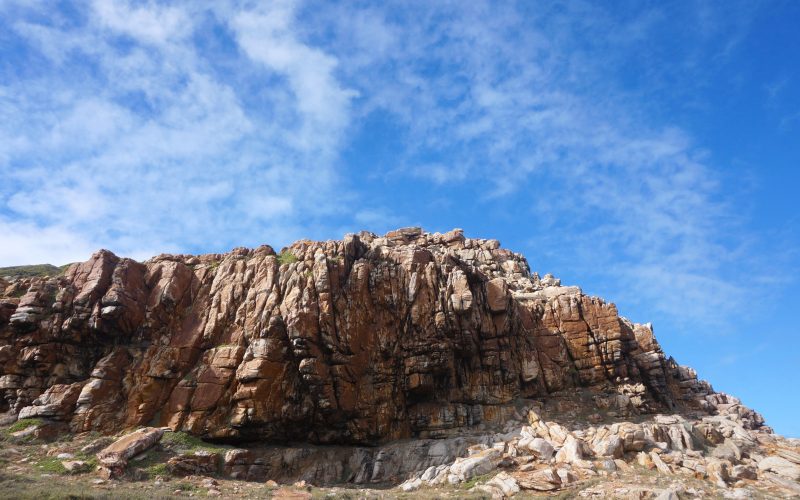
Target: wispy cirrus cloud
{"points": [[127, 133], [535, 99]]}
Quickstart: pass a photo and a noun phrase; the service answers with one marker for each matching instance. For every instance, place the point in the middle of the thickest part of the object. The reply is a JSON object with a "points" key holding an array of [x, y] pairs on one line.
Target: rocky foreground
{"points": [[410, 364]]}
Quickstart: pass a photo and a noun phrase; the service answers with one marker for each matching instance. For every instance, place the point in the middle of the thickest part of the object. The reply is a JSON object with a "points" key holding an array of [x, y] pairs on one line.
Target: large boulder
{"points": [[478, 464], [541, 448], [780, 466], [114, 458]]}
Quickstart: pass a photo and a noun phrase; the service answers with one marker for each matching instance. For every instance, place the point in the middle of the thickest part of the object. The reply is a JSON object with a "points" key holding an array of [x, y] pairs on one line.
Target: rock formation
{"points": [[362, 341]]}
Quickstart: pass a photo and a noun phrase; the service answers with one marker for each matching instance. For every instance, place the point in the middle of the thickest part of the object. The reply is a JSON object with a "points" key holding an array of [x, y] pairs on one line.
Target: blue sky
{"points": [[646, 151]]}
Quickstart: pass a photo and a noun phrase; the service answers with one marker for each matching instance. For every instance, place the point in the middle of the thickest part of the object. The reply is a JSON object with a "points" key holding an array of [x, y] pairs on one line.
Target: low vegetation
{"points": [[20, 425], [33, 271], [287, 257], [51, 465], [183, 442]]}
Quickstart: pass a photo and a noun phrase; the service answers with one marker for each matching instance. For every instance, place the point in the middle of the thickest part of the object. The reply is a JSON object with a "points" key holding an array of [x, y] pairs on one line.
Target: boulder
{"points": [[114, 458], [194, 464], [541, 480], [478, 464], [76, 466], [611, 446], [573, 451], [505, 483], [541, 448], [780, 466]]}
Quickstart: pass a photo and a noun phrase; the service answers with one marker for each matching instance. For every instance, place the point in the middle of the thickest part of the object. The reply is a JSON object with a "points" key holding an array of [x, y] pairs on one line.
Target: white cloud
{"points": [[25, 243], [131, 137], [534, 103], [268, 36], [150, 23]]}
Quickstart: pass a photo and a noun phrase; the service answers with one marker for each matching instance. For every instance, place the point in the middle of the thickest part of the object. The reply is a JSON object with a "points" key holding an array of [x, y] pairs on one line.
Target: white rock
{"points": [[611, 446], [659, 463], [571, 452], [480, 463], [781, 467], [566, 476], [411, 484], [507, 484], [429, 473], [542, 448], [737, 493], [668, 495]]}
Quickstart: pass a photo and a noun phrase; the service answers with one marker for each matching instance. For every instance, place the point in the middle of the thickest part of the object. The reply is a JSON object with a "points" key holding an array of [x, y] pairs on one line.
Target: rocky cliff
{"points": [[431, 361], [358, 341]]}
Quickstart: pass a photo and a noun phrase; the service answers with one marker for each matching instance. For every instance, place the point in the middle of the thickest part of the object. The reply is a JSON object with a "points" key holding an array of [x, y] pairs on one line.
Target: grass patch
{"points": [[33, 271], [21, 425], [186, 442], [287, 257], [154, 470], [51, 465], [471, 483], [186, 486], [152, 465]]}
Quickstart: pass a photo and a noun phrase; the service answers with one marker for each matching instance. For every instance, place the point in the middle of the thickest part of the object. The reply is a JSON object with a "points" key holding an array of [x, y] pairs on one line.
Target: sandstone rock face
{"points": [[358, 341]]}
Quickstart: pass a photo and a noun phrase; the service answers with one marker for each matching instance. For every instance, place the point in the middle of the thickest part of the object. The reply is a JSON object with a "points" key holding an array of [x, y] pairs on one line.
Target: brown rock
{"points": [[358, 341], [198, 463]]}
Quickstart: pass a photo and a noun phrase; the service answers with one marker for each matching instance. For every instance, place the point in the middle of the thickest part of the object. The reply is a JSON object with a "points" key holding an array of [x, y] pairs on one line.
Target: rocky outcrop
{"points": [[746, 464], [358, 341]]}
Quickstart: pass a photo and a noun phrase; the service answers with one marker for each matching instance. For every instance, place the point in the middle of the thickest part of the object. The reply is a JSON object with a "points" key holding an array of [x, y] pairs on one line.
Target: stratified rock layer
{"points": [[357, 341]]}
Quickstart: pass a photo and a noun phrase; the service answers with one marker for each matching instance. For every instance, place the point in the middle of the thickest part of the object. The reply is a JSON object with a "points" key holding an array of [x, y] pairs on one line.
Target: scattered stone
{"points": [[75, 466]]}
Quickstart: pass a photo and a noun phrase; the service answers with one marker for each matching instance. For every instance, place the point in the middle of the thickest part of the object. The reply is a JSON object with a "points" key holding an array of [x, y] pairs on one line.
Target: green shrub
{"points": [[287, 257], [186, 486]]}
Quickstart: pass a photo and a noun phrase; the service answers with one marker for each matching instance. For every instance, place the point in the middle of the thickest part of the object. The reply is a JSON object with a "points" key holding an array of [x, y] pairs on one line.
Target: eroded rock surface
{"points": [[445, 351], [357, 341]]}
